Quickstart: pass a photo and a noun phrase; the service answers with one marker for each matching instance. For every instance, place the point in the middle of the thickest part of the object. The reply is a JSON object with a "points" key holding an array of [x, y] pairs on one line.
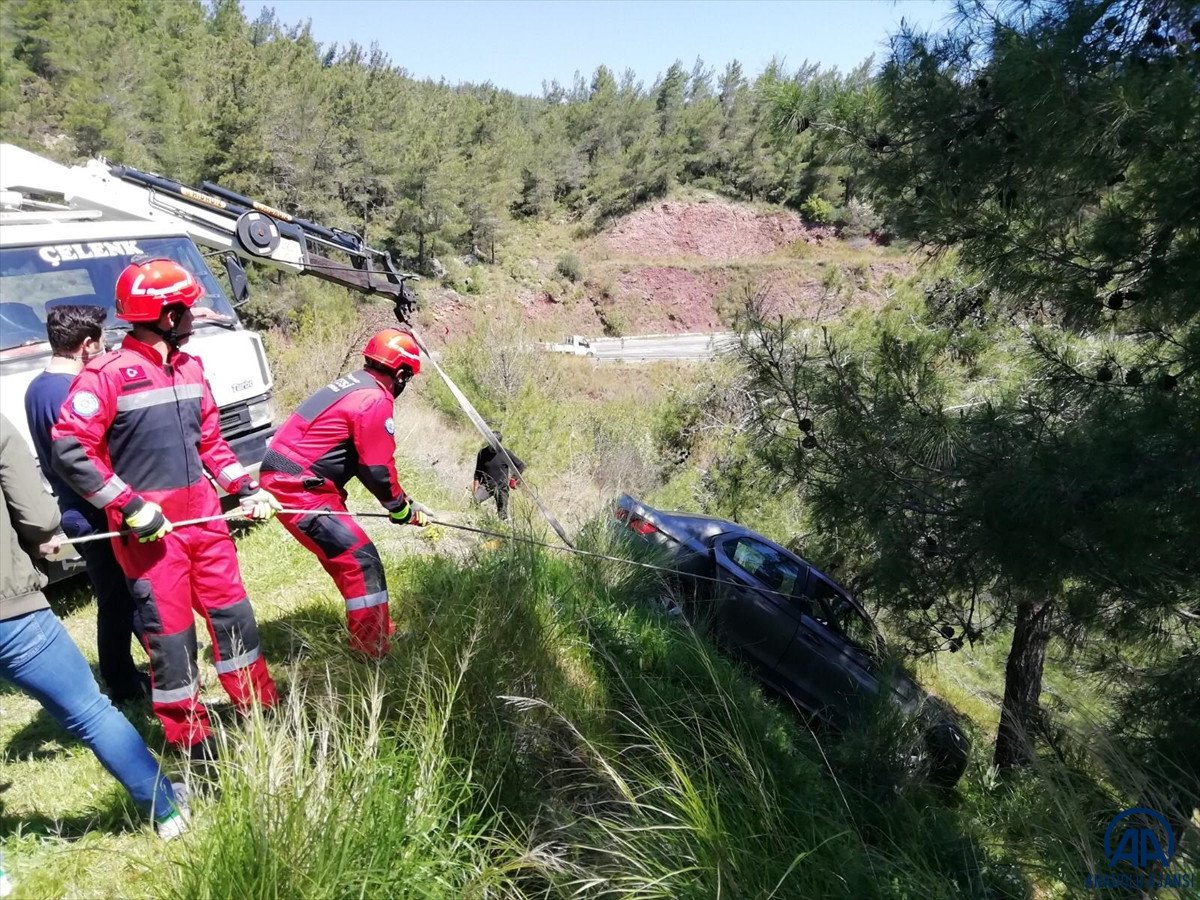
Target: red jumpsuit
{"points": [[343, 430], [133, 427]]}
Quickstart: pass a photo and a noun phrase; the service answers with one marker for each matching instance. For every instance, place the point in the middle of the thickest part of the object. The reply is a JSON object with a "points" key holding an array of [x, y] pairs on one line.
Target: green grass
{"points": [[538, 731]]}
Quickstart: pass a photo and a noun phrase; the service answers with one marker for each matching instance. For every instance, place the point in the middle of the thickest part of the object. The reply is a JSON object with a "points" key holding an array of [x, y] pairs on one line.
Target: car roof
{"points": [[703, 529], [700, 531]]}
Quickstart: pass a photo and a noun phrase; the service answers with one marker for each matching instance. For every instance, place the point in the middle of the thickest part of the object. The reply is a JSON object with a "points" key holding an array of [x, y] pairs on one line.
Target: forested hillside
{"points": [[967, 386], [344, 135]]}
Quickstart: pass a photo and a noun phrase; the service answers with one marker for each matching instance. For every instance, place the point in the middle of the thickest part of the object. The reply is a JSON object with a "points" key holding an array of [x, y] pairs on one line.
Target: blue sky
{"points": [[516, 44]]}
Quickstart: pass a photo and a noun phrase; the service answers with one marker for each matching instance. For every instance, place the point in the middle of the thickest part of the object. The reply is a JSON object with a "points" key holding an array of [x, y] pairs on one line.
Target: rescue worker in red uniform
{"points": [[134, 437], [342, 431]]}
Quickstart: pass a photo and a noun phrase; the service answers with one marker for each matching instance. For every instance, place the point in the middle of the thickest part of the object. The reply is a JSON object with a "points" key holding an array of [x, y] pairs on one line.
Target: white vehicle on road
{"points": [[574, 344]]}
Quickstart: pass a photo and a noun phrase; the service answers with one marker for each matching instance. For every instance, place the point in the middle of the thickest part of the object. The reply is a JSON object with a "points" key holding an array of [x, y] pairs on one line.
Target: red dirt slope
{"points": [[716, 229]]}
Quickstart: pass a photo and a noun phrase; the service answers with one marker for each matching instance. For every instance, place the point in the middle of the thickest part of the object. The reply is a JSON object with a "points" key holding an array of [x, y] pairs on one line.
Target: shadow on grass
{"points": [[311, 636], [40, 738], [114, 817], [69, 596], [43, 738]]}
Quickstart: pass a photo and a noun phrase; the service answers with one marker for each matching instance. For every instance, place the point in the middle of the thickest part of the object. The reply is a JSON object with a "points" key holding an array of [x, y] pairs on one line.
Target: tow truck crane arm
{"points": [[218, 219], [227, 220]]}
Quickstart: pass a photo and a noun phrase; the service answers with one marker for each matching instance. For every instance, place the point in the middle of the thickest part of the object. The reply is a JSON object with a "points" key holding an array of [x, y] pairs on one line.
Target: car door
{"points": [[756, 617], [831, 659]]}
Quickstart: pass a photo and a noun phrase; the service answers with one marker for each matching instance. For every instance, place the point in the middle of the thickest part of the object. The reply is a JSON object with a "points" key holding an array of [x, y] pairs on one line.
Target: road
{"points": [[650, 347]]}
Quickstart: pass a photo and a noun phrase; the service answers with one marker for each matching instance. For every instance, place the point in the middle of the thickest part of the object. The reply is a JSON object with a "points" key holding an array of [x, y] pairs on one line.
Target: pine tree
{"points": [[1018, 445]]}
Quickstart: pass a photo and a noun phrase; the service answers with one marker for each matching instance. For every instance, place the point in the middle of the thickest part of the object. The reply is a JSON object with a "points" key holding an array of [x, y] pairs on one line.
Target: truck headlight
{"points": [[262, 412]]}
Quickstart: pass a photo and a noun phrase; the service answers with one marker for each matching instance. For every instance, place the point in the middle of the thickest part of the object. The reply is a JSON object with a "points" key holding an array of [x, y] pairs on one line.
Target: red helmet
{"points": [[394, 349], [144, 288]]}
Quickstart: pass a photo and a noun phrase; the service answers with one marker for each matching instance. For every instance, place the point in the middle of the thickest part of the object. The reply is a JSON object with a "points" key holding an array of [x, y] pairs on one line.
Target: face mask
{"points": [[85, 355], [398, 386]]}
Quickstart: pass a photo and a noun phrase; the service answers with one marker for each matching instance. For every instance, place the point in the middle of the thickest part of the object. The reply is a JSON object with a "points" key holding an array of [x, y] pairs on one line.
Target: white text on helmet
{"points": [[57, 254], [397, 343]]}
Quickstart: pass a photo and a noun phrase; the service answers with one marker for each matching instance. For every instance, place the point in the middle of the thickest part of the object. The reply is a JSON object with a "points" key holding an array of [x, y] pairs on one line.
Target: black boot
{"points": [[134, 689], [202, 761]]}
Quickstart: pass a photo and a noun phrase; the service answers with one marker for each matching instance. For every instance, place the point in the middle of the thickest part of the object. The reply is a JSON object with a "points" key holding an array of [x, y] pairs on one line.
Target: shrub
{"points": [[454, 275], [475, 282], [857, 219], [607, 288], [614, 324], [818, 210], [323, 339], [570, 267]]}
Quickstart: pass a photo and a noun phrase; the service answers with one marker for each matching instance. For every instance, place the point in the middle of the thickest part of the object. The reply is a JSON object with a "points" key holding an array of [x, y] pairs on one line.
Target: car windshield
{"points": [[35, 279]]}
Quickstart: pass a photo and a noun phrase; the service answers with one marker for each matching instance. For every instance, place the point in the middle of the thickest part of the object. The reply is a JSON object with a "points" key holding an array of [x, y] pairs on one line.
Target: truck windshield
{"points": [[35, 279]]}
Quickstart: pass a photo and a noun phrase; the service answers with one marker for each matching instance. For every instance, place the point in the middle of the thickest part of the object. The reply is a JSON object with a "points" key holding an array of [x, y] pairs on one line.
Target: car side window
{"points": [[833, 610], [778, 572]]}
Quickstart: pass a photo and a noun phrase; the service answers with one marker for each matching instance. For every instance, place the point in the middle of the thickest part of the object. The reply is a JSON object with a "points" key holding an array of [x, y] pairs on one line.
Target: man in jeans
{"points": [[76, 335], [37, 655]]}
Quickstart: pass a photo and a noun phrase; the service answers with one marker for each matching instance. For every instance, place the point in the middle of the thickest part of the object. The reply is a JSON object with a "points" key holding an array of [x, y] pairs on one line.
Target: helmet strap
{"points": [[171, 335], [400, 379]]}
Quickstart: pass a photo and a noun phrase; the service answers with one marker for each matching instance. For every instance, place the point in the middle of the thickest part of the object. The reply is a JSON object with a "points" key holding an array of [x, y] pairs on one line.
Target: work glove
{"points": [[512, 483], [410, 514], [148, 523], [259, 506]]}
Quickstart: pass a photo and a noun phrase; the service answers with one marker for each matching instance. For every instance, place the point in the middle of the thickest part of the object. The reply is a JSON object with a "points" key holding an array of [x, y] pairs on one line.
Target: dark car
{"points": [[799, 630]]}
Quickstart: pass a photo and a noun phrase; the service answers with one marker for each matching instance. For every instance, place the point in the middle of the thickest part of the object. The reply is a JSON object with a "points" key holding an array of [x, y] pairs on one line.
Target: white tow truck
{"points": [[66, 232]]}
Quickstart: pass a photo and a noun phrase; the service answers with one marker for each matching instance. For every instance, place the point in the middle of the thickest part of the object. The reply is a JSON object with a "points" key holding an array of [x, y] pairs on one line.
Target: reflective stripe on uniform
{"points": [[159, 396], [108, 493], [225, 666], [176, 696], [230, 474], [376, 599]]}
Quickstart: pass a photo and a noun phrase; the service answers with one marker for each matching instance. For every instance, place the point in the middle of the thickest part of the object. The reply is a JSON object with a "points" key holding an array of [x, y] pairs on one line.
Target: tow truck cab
{"points": [[63, 256]]}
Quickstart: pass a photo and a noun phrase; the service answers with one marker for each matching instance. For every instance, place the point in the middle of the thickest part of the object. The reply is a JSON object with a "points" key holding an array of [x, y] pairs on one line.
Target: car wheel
{"points": [[947, 752]]}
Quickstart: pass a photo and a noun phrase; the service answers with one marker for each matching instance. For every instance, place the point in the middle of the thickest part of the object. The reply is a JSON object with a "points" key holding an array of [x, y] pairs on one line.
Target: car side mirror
{"points": [[239, 282]]}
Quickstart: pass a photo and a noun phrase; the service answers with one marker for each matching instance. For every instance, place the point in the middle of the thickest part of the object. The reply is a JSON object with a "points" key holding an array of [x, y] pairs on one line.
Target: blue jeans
{"points": [[37, 654]]}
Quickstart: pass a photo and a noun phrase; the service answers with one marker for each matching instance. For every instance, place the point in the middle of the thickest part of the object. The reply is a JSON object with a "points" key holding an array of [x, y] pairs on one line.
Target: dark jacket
{"points": [[493, 470], [43, 399], [28, 517]]}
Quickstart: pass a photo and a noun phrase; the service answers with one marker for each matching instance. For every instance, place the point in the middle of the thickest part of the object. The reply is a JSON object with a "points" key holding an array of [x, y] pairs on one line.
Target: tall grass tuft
{"points": [[329, 797]]}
